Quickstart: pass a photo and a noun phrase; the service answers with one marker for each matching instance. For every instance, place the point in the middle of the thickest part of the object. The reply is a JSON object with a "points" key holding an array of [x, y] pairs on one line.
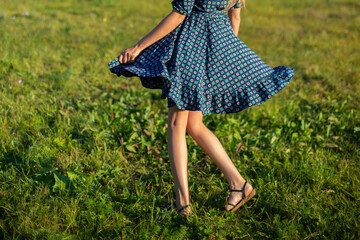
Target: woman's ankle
{"points": [[237, 184]]}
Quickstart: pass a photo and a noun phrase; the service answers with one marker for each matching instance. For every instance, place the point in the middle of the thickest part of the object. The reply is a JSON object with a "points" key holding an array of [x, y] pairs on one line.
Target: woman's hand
{"points": [[128, 55]]}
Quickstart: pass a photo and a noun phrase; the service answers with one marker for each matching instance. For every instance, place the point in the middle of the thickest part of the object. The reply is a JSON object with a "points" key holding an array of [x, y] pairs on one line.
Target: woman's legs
{"points": [[177, 121], [213, 148]]}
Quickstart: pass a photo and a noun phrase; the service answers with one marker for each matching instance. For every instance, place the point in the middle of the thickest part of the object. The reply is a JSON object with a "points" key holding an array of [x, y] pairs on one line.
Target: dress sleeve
{"points": [[183, 6], [238, 4]]}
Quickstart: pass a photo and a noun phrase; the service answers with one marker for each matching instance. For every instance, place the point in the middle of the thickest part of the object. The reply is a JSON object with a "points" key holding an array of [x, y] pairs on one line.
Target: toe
{"points": [[234, 198], [228, 207], [185, 212]]}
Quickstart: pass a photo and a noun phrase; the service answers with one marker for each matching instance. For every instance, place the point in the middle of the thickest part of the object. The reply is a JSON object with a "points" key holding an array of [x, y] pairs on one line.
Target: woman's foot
{"points": [[183, 210], [235, 199], [186, 210]]}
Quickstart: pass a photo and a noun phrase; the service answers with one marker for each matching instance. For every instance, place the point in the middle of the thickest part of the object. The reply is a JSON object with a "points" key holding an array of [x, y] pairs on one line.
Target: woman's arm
{"points": [[234, 15], [169, 23]]}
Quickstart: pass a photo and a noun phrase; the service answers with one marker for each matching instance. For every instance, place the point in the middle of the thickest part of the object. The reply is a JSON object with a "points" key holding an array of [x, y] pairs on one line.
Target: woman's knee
{"points": [[195, 124], [177, 118]]}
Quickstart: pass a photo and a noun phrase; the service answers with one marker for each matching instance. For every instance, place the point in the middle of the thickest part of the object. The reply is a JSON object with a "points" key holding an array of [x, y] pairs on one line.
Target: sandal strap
{"points": [[235, 190], [179, 210], [242, 190]]}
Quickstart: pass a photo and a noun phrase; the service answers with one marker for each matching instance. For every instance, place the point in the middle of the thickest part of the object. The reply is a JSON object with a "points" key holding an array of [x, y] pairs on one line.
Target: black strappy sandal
{"points": [[243, 199], [180, 209]]}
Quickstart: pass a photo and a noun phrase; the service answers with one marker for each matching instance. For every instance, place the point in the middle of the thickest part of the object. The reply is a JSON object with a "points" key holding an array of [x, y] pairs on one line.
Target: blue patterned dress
{"points": [[202, 65]]}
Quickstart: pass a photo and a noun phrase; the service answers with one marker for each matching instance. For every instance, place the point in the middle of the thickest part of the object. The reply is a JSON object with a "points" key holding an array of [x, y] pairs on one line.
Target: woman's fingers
{"points": [[121, 56], [128, 55], [131, 58]]}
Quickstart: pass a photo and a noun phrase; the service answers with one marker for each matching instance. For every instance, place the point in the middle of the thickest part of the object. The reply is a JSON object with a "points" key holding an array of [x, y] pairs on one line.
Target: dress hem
{"points": [[217, 100]]}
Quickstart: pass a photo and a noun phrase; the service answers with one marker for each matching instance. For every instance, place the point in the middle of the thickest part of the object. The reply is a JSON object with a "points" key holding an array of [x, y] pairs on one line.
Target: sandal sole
{"points": [[242, 202]]}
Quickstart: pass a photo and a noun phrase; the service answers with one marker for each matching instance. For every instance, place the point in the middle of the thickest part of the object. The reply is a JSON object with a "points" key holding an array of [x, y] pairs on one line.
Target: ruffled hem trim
{"points": [[233, 102], [221, 102], [163, 73]]}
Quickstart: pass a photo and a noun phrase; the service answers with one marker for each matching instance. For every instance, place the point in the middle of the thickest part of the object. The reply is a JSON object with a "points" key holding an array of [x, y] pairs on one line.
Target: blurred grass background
{"points": [[84, 153]]}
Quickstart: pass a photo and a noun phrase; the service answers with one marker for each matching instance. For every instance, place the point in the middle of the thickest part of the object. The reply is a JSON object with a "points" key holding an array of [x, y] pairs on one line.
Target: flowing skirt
{"points": [[203, 66]]}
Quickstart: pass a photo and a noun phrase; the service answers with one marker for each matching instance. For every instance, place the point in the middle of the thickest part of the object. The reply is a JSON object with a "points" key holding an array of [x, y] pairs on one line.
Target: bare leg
{"points": [[177, 121], [213, 148]]}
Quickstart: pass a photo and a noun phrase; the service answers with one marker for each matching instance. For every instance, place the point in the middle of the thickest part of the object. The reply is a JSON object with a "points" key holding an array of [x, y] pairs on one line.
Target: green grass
{"points": [[84, 153]]}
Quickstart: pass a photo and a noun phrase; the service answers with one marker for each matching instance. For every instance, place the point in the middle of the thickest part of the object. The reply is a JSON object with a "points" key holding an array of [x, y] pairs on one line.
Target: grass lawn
{"points": [[83, 153]]}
